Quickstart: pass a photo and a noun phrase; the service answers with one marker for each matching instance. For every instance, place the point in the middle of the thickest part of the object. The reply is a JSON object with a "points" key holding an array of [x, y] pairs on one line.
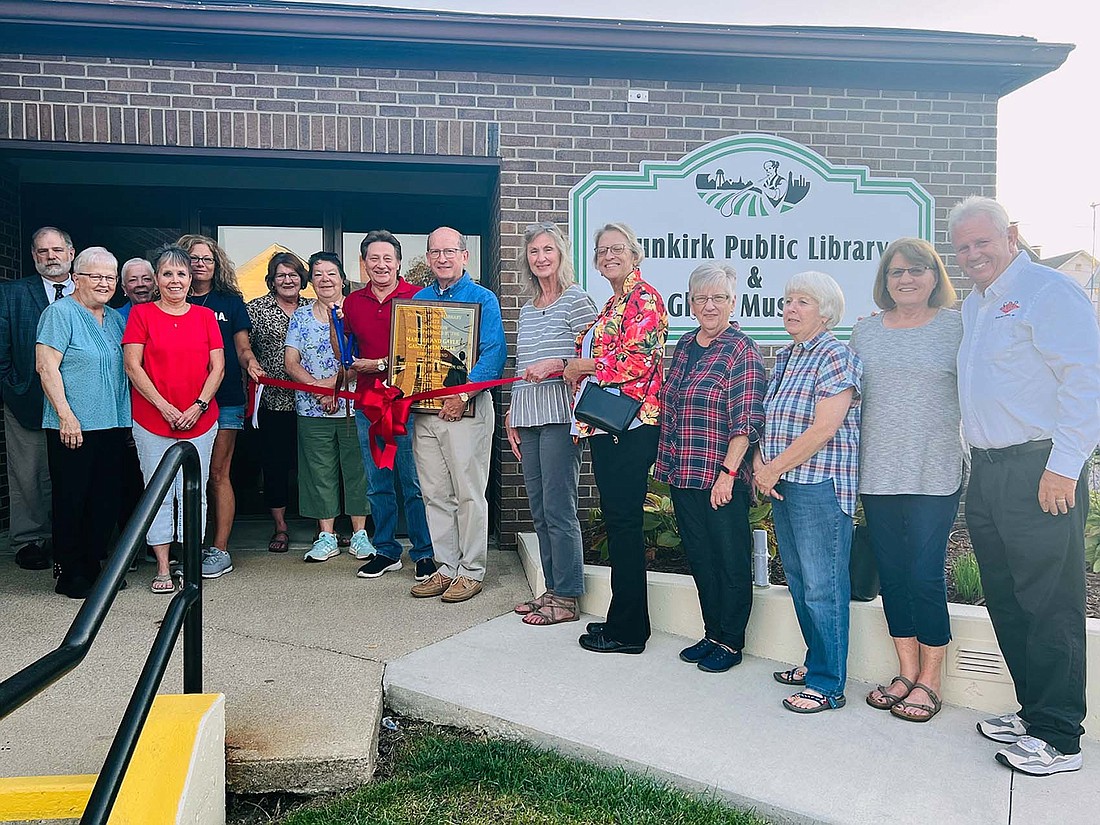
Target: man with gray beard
{"points": [[21, 304]]}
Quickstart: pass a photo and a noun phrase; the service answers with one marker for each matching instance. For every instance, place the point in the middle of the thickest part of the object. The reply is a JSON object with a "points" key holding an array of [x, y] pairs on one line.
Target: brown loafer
{"points": [[436, 585], [461, 589]]}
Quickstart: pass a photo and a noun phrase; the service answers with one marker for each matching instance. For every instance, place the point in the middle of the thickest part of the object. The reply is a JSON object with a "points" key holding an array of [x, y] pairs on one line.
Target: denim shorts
{"points": [[231, 418]]}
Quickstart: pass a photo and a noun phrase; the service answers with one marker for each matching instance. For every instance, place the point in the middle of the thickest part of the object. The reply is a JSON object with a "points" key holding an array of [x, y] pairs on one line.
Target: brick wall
{"points": [[552, 131]]}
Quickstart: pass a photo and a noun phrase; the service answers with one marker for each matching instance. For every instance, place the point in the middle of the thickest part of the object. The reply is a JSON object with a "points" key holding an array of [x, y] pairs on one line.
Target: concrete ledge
{"points": [[975, 675], [25, 798]]}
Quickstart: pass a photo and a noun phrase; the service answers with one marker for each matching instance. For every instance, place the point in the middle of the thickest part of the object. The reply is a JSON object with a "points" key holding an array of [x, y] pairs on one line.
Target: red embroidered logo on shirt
{"points": [[1009, 306]]}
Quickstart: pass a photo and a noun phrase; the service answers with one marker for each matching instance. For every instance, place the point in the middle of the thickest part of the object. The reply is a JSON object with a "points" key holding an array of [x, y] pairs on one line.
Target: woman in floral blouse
{"points": [[623, 348], [270, 316]]}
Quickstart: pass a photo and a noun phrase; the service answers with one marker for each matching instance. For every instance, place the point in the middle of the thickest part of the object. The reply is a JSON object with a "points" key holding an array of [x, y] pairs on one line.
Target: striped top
{"points": [[550, 332]]}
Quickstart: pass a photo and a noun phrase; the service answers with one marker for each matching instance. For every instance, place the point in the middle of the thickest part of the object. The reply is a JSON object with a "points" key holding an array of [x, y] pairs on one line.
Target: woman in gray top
{"points": [[911, 463], [538, 421]]}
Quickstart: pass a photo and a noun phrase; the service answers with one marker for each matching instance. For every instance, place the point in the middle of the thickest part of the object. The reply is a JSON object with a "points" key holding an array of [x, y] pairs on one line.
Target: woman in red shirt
{"points": [[175, 360]]}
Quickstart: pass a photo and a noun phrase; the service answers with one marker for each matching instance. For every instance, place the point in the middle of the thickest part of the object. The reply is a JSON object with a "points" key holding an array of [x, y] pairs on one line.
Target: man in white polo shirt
{"points": [[1029, 387]]}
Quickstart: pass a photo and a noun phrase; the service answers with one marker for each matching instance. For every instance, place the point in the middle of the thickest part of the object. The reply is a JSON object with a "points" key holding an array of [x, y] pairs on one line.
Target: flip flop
{"points": [[823, 702], [929, 710], [279, 545], [163, 584], [888, 700], [789, 677]]}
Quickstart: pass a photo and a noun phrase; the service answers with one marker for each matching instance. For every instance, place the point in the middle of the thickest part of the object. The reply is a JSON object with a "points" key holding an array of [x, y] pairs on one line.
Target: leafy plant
{"points": [[1092, 533], [968, 581]]}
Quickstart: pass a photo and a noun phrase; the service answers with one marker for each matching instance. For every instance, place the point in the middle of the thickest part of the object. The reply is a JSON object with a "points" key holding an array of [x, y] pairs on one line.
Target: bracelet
{"points": [[722, 468], [204, 406]]}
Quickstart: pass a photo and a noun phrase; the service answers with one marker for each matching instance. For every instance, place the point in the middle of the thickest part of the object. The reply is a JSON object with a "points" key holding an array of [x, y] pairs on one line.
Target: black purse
{"points": [[610, 412]]}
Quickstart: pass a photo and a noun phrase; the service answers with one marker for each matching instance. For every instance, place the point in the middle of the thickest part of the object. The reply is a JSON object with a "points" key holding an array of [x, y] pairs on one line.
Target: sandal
{"points": [[163, 584], [794, 676], [555, 610], [928, 710], [279, 545], [532, 605], [821, 702], [885, 701]]}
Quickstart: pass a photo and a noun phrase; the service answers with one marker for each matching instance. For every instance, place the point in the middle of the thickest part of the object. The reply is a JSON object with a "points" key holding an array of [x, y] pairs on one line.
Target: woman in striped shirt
{"points": [[538, 420]]}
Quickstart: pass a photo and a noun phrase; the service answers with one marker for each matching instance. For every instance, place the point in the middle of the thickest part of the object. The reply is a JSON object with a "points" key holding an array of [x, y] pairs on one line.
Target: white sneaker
{"points": [[1038, 758], [326, 546], [1008, 728]]}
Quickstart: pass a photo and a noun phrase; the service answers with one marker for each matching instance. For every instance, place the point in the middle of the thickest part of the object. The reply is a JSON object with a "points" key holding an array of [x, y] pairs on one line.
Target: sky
{"points": [[1048, 131]]}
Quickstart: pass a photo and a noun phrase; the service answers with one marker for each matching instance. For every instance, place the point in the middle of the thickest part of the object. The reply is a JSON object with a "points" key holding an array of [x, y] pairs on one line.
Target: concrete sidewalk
{"points": [[298, 649], [728, 732]]}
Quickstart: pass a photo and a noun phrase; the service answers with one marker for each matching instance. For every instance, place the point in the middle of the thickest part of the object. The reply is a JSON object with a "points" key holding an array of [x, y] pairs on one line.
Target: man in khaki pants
{"points": [[452, 451]]}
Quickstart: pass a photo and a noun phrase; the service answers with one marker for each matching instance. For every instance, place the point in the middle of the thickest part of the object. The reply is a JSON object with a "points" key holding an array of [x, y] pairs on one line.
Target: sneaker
{"points": [[323, 549], [460, 590], [377, 565], [1008, 728], [361, 548], [697, 652], [215, 563], [436, 585], [1037, 758], [424, 569], [719, 660]]}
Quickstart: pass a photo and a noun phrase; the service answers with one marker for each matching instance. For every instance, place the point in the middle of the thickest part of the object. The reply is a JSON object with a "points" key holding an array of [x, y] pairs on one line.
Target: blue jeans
{"points": [[383, 497], [815, 544], [909, 534]]}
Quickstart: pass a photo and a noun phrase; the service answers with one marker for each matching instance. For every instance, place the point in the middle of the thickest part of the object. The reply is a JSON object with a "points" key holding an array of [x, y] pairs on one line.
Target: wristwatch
{"points": [[465, 396], [722, 468], [204, 406], [382, 364]]}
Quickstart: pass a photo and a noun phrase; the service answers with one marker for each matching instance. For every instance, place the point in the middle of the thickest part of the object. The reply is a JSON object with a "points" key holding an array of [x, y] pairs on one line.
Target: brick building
{"points": [[130, 122]]}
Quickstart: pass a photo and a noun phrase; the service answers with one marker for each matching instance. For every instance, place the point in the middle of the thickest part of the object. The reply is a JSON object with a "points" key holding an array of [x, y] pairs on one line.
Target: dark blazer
{"points": [[21, 305]]}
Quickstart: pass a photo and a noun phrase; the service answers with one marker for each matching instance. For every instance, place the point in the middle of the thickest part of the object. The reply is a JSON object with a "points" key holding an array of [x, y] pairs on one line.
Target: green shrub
{"points": [[968, 581], [1092, 533]]}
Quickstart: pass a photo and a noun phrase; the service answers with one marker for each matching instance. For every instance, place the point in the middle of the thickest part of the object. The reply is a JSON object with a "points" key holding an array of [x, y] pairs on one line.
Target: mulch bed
{"points": [[674, 561]]}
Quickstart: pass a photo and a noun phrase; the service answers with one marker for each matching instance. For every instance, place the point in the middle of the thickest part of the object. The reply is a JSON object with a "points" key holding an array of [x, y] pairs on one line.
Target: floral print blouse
{"points": [[628, 341]]}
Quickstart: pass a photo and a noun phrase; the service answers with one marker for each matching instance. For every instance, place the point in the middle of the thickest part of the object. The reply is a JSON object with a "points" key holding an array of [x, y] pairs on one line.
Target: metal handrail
{"points": [[184, 612]]}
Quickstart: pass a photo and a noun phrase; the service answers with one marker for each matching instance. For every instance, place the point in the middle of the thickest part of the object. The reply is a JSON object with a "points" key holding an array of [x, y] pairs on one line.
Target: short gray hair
{"points": [[823, 289], [95, 256], [461, 237], [974, 206], [136, 262], [713, 273], [624, 230]]}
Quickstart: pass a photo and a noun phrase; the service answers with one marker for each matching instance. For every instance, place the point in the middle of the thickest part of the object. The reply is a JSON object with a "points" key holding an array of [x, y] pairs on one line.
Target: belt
{"points": [[1003, 453]]}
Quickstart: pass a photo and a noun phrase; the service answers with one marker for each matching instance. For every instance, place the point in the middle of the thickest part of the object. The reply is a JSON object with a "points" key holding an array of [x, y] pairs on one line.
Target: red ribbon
{"points": [[384, 406]]}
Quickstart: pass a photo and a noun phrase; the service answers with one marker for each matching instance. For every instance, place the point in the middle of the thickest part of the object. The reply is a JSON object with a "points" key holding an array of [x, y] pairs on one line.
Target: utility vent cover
{"points": [[978, 660]]}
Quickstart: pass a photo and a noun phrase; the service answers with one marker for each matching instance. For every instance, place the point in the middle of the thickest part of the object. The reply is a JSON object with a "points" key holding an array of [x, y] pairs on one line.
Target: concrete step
{"points": [[298, 649], [728, 733]]}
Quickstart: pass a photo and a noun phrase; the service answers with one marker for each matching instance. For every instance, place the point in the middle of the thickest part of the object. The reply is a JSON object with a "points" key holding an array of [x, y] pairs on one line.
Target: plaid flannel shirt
{"points": [[703, 410], [805, 374]]}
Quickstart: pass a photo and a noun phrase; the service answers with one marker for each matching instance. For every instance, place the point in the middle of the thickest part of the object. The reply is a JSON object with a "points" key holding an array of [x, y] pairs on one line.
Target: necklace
{"points": [[201, 300]]}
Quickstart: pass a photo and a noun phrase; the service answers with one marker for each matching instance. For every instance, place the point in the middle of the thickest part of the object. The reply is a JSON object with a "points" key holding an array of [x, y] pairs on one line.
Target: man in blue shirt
{"points": [[452, 451]]}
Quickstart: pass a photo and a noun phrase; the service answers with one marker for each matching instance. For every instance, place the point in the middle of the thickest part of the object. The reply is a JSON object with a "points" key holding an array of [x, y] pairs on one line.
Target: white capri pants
{"points": [[151, 449]]}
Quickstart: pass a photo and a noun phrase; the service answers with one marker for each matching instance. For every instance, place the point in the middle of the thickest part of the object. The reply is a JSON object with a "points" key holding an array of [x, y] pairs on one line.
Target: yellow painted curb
{"points": [[153, 787]]}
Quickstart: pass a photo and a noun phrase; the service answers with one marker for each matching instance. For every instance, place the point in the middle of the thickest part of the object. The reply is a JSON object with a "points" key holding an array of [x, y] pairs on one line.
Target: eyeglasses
{"points": [[206, 260], [99, 279], [912, 270], [702, 300], [286, 276], [617, 249], [448, 253]]}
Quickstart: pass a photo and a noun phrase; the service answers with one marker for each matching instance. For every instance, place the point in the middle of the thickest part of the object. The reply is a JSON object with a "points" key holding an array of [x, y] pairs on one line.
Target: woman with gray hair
{"points": [[78, 356], [808, 464], [712, 417], [538, 420]]}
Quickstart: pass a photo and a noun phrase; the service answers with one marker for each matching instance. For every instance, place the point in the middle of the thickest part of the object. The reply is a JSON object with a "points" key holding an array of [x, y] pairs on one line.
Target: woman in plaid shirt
{"points": [[713, 414], [809, 464]]}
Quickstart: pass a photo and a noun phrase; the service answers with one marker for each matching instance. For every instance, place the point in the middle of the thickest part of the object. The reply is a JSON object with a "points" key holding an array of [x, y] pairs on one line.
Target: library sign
{"points": [[766, 205]]}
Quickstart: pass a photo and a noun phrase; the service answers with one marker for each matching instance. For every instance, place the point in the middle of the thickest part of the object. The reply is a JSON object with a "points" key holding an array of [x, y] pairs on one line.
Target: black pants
{"points": [[278, 454], [131, 481], [718, 544], [1033, 573], [621, 467], [86, 484]]}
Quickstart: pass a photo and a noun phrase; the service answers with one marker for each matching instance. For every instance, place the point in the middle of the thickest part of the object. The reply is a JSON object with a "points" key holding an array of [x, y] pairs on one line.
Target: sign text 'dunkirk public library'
{"points": [[766, 205]]}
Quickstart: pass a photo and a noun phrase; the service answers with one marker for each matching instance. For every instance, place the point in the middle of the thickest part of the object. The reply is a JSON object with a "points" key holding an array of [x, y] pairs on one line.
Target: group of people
{"points": [[1009, 386], [94, 397], [879, 418]]}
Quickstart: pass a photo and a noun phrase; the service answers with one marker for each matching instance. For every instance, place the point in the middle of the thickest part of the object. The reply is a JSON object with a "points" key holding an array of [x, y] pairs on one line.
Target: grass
{"points": [[968, 581], [442, 778]]}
